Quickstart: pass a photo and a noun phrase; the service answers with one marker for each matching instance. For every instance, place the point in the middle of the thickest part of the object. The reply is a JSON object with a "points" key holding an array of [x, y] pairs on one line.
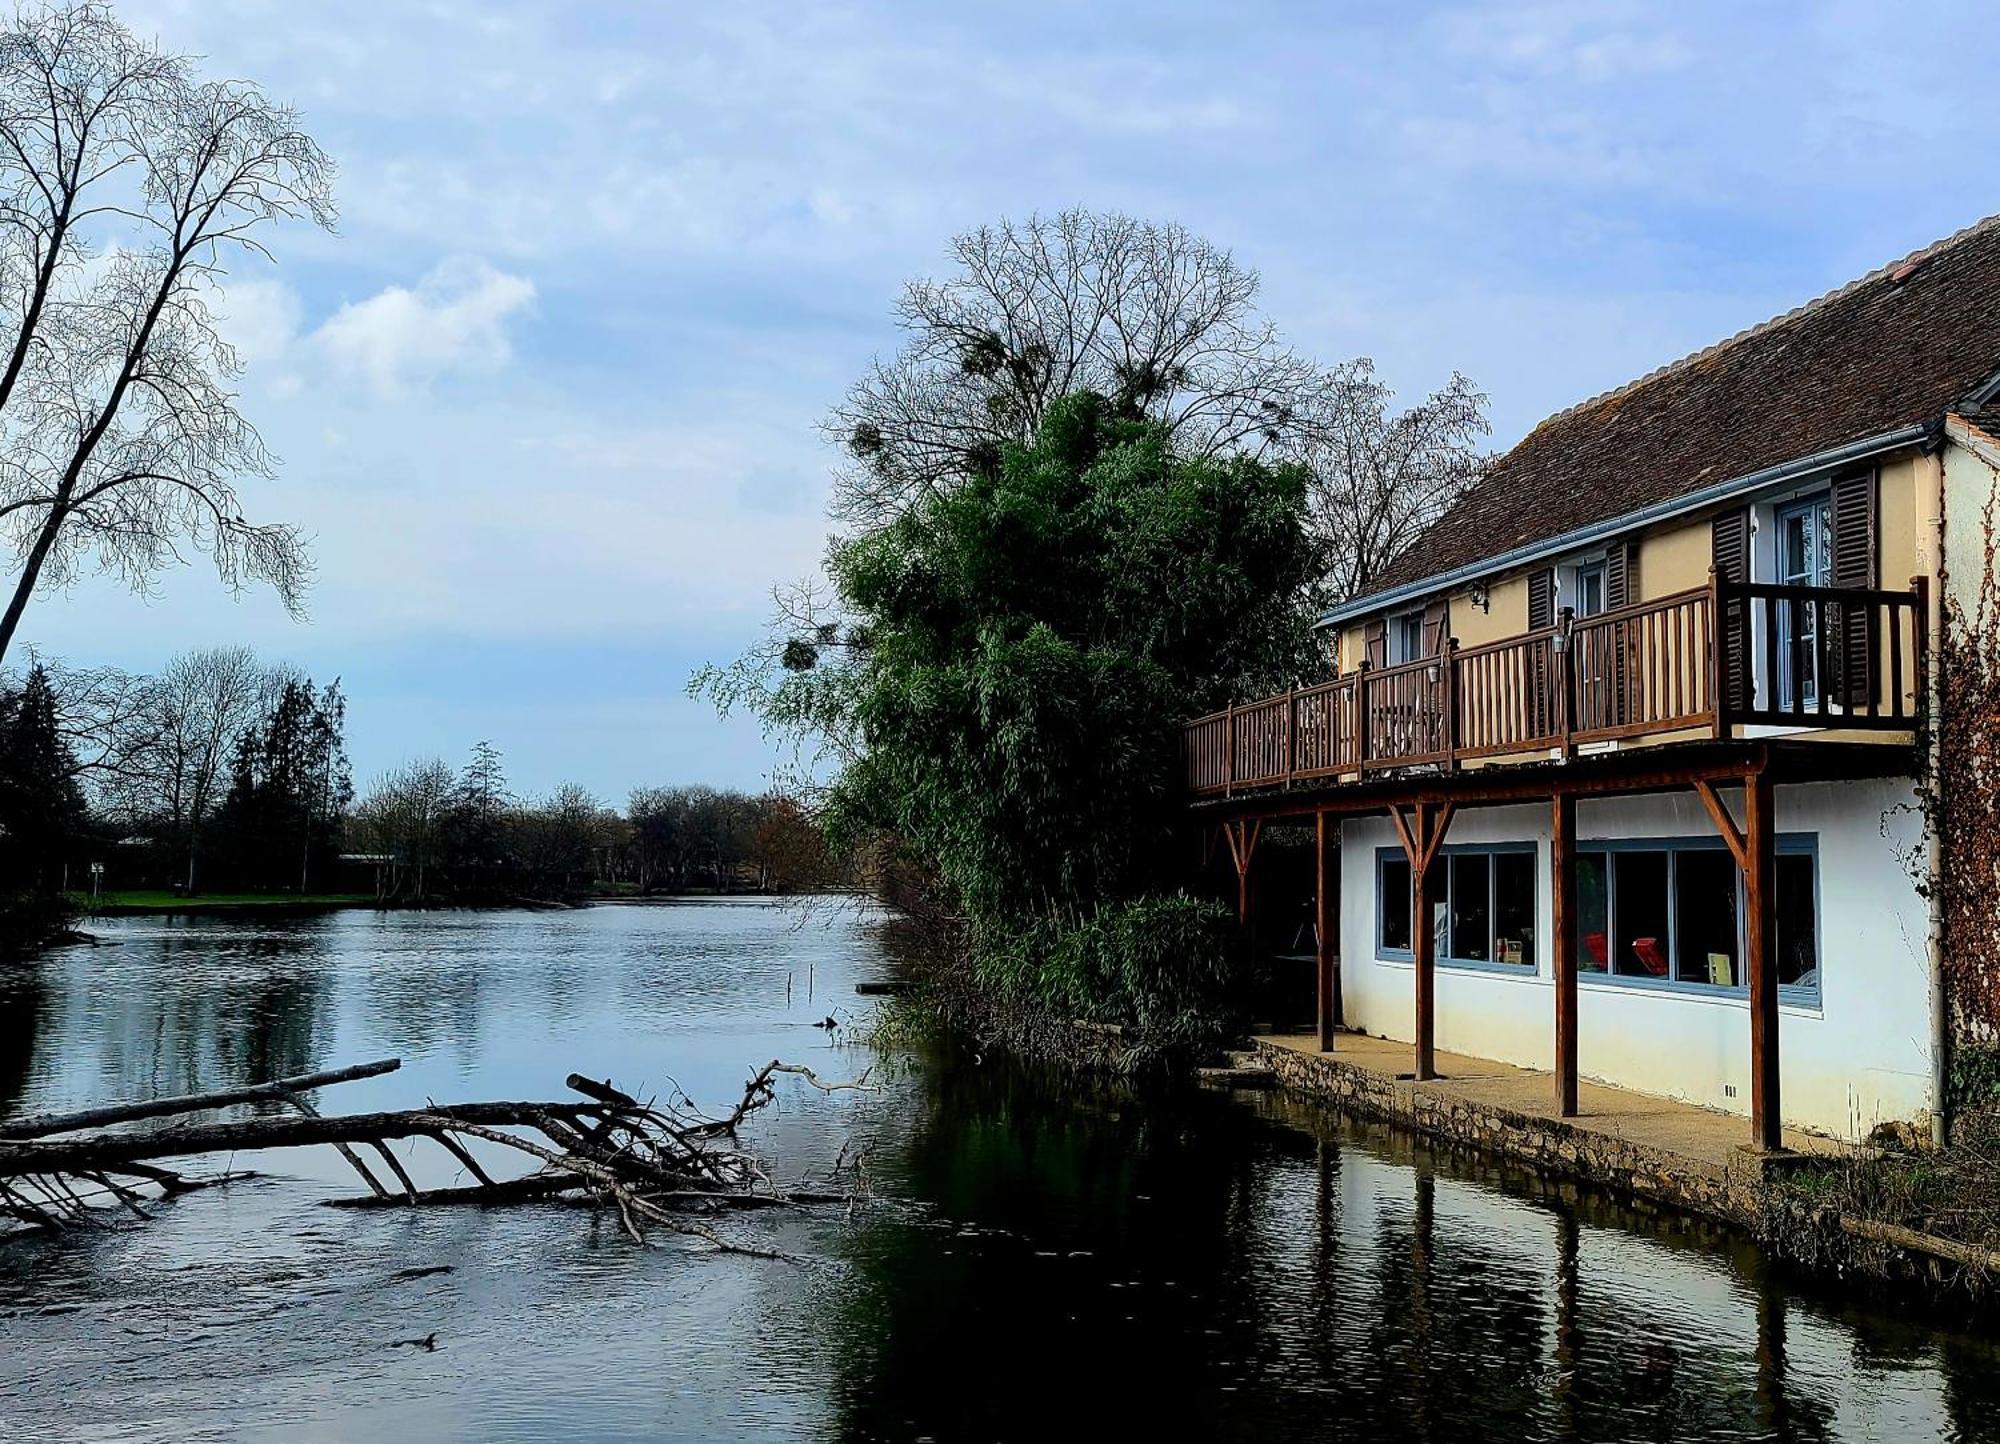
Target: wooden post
{"points": [[1920, 643], [1291, 731], [1450, 680], [1242, 839], [1761, 931], [1565, 679], [1423, 950], [1563, 920], [1718, 619], [1361, 717], [1329, 962], [1229, 752], [1421, 837]]}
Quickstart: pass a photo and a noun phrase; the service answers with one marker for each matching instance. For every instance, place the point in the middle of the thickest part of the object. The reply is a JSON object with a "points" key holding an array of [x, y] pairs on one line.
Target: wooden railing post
{"points": [[1718, 618], [1361, 716], [1450, 661], [1564, 646], [1920, 647], [1229, 752], [1291, 734]]}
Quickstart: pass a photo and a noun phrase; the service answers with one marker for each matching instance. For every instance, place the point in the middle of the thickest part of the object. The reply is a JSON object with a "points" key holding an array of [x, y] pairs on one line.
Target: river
{"points": [[1043, 1260]]}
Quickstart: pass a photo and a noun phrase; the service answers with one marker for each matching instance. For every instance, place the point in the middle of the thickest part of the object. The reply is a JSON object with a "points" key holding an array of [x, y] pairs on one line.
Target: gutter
{"points": [[1659, 511]]}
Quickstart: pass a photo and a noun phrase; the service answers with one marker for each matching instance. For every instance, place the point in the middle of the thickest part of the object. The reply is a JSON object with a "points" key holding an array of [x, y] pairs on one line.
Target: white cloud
{"points": [[260, 318], [454, 320]]}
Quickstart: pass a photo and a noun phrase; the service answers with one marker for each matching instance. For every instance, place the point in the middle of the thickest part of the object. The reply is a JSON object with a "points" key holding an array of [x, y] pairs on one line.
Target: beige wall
{"points": [[1676, 556], [1971, 481]]}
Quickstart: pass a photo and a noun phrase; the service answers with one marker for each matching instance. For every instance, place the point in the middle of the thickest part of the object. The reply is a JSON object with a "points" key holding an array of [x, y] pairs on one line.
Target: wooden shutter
{"points": [[1436, 618], [1730, 550], [1541, 599], [1850, 645], [1375, 642], [1621, 582]]}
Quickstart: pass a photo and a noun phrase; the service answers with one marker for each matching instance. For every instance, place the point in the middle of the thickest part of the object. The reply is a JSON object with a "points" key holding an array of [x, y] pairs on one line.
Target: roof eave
{"points": [[1777, 475]]}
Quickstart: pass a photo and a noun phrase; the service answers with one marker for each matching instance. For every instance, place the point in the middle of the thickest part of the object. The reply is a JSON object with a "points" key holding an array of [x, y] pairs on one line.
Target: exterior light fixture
{"points": [[1480, 597]]}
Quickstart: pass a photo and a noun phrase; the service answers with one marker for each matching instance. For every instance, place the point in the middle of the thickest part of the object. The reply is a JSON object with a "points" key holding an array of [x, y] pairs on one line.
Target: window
{"points": [[1639, 914], [1672, 911], [1593, 912], [1392, 912], [1805, 559], [1484, 913], [1705, 926], [1470, 893], [1406, 638], [1588, 600], [1798, 921]]}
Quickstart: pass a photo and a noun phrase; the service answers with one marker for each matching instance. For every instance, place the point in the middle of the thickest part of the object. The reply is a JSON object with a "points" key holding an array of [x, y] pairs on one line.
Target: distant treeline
{"points": [[225, 773], [433, 833]]}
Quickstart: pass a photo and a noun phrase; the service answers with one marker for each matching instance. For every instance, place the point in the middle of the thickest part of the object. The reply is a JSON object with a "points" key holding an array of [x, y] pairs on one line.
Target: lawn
{"points": [[161, 901]]}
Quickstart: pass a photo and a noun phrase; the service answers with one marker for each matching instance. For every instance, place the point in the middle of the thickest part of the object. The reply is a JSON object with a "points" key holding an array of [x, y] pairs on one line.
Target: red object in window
{"points": [[1596, 945], [1647, 951]]}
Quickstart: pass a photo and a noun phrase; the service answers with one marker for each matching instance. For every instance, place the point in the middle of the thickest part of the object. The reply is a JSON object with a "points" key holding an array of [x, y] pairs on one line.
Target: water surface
{"points": [[1044, 1260]]}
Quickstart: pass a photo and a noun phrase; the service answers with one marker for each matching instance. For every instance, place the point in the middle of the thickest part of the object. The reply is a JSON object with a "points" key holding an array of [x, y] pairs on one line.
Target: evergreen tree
{"points": [[41, 812]]}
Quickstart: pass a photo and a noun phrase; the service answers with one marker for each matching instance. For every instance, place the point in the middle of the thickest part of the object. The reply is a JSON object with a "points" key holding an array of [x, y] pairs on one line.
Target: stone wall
{"points": [[1730, 1192]]}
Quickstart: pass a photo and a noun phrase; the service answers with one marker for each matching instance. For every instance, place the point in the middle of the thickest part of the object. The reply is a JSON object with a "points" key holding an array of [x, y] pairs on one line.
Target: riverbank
{"points": [[132, 904]]}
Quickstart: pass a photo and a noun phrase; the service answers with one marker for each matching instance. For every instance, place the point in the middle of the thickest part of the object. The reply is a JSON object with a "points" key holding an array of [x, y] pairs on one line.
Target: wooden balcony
{"points": [[1706, 662]]}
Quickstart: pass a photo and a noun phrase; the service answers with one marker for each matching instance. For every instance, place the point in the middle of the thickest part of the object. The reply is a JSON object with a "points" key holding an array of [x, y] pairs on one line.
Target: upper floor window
{"points": [[1406, 638], [1587, 590]]}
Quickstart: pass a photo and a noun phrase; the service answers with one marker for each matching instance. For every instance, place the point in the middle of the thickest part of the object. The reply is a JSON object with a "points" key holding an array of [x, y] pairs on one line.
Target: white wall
{"points": [[1859, 1057]]}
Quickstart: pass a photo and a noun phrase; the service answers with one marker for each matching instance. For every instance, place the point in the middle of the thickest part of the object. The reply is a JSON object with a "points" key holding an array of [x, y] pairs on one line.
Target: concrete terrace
{"points": [[1514, 1111]]}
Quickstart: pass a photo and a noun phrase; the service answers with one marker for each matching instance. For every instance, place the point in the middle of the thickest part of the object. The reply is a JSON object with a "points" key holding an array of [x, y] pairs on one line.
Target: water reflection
{"points": [[1050, 1259], [1193, 1270]]}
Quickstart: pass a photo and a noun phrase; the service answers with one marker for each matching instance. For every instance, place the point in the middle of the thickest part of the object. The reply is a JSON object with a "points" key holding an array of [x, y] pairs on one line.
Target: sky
{"points": [[547, 401]]}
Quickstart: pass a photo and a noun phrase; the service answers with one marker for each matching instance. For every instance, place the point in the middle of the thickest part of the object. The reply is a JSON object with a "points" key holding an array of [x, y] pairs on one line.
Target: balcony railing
{"points": [[1710, 659]]}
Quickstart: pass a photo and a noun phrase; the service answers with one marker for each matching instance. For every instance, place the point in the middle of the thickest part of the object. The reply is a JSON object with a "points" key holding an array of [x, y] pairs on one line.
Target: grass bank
{"points": [[141, 903]]}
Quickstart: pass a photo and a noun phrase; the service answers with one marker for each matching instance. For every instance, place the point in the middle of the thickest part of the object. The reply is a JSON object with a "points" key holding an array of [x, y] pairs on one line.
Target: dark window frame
{"points": [[1790, 844], [1530, 969]]}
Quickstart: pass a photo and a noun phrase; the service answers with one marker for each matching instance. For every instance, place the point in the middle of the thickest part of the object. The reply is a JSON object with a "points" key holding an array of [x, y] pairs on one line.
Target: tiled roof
{"points": [[1899, 346]]}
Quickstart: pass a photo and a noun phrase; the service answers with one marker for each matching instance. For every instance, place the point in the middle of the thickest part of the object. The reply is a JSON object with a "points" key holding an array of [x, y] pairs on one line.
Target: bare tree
{"points": [[1379, 477], [1166, 325], [107, 723], [203, 701], [404, 816], [126, 186]]}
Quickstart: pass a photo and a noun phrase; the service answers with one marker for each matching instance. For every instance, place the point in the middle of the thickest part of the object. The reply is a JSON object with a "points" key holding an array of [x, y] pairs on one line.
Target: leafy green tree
{"points": [[1031, 641]]}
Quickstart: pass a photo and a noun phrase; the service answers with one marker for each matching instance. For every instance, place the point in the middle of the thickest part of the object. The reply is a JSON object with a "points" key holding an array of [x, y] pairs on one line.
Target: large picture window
{"points": [[1669, 912], [1672, 912], [1484, 911]]}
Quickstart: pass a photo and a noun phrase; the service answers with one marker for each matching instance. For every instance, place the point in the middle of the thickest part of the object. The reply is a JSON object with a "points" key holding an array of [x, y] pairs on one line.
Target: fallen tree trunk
{"points": [[66, 1155], [40, 1125], [650, 1163]]}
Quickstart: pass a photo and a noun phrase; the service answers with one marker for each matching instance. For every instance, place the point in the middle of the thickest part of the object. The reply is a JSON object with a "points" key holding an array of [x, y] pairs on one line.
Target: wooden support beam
{"points": [[1410, 848], [1562, 857], [1328, 960], [1724, 823], [1242, 837], [1422, 843], [1761, 931]]}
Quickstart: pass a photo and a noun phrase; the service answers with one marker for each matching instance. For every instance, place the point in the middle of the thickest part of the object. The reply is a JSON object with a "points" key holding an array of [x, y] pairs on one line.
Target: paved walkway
{"points": [[1682, 1128]]}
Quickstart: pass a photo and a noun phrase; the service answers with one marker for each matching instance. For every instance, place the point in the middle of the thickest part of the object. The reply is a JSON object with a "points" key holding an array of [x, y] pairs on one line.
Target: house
{"points": [[1619, 772]]}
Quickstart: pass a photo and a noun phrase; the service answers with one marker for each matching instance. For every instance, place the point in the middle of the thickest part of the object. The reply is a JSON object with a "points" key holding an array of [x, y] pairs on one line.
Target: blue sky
{"points": [[548, 399]]}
